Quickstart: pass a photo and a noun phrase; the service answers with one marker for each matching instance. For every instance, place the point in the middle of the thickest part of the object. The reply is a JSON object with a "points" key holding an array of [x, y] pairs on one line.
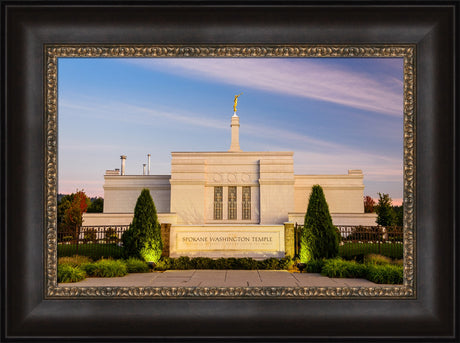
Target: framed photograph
{"points": [[47, 52]]}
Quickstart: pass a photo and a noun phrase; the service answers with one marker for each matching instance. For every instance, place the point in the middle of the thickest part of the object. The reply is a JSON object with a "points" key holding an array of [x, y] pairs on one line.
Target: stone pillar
{"points": [[143, 169], [123, 162], [148, 161], [165, 234], [235, 125], [289, 239]]}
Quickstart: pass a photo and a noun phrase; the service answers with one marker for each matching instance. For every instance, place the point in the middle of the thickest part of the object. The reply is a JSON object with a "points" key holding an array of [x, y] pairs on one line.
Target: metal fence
{"points": [[361, 240], [95, 241]]}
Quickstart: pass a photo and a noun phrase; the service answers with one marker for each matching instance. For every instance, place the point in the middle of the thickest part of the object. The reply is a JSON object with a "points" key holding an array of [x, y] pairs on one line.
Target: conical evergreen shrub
{"points": [[143, 238], [319, 237]]}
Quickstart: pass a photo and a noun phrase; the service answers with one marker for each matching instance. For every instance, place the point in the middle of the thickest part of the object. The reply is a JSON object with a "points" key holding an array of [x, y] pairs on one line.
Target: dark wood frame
{"points": [[26, 27]]}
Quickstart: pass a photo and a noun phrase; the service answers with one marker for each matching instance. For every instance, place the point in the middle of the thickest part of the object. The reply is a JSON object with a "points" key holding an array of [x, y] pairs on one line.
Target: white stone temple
{"points": [[230, 203]]}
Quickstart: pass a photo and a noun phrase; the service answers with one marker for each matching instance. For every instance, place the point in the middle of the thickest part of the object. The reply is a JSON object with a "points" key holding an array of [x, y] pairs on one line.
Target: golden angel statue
{"points": [[236, 102]]}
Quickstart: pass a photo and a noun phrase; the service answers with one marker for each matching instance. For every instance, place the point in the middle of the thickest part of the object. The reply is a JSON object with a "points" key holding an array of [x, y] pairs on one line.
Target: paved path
{"points": [[222, 278]]}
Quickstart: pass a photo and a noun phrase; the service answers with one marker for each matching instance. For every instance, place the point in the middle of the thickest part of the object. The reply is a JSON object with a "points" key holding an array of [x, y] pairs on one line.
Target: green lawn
{"points": [[392, 250], [94, 251]]}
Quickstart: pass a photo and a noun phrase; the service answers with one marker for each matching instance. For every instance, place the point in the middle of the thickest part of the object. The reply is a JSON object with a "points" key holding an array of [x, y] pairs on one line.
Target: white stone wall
{"points": [[276, 188], [195, 174], [344, 193], [121, 192]]}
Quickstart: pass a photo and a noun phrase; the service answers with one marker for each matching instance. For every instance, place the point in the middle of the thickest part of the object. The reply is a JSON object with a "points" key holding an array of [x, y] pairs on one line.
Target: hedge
{"points": [[184, 263]]}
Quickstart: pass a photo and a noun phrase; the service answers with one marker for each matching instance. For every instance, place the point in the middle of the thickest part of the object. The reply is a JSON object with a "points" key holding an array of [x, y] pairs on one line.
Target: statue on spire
{"points": [[236, 102]]}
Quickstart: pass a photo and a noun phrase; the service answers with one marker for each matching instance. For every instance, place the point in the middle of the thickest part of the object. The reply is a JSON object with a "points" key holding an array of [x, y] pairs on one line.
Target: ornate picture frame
{"points": [[407, 53]]}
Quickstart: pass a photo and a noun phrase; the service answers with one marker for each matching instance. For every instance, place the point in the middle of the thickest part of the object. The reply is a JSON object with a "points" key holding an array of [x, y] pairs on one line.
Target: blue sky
{"points": [[334, 113]]}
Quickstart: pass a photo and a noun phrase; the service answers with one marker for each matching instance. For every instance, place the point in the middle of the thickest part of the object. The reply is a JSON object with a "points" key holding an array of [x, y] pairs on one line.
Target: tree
{"points": [[143, 238], [73, 214], [399, 214], [63, 205], [319, 238], [96, 206], [369, 204], [385, 213]]}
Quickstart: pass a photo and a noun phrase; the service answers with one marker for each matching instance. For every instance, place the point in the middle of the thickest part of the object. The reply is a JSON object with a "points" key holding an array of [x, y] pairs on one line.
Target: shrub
{"points": [[69, 273], [150, 252], [285, 263], [387, 274], [111, 235], [268, 264], [184, 263], [90, 236], [165, 263], [89, 268], [143, 238], [74, 261], [385, 213], [399, 262], [344, 269], [222, 263], [106, 268], [202, 263], [314, 266], [135, 265], [377, 259], [319, 238]]}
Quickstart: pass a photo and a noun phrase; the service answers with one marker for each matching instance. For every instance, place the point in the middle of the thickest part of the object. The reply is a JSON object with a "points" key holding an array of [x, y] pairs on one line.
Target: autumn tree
{"points": [[319, 238], [385, 213], [369, 204], [73, 215]]}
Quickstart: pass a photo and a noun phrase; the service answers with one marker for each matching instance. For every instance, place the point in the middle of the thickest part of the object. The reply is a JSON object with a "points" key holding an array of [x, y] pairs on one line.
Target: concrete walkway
{"points": [[222, 278]]}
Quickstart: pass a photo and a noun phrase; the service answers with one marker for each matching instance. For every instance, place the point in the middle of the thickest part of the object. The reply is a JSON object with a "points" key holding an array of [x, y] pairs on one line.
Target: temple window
{"points": [[232, 202], [246, 203], [218, 197]]}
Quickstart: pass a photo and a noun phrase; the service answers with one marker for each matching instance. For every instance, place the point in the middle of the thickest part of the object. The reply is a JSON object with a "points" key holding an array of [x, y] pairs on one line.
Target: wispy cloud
{"points": [[144, 115], [309, 80], [136, 114]]}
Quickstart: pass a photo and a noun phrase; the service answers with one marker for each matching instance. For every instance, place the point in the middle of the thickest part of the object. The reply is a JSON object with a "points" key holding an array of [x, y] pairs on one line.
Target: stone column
{"points": [[123, 162], [235, 125], [289, 239], [165, 234], [148, 167]]}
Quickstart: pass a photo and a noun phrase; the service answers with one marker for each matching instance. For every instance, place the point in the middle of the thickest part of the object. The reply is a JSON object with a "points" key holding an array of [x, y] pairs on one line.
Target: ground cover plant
{"points": [[135, 265], [106, 268], [389, 273], [376, 268], [69, 273], [76, 268]]}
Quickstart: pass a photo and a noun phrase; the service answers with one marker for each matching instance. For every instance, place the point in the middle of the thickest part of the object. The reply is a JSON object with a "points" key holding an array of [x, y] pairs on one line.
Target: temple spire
{"points": [[235, 125]]}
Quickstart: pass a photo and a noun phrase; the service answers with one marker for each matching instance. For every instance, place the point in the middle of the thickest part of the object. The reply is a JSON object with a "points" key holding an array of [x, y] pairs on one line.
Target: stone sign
{"points": [[228, 241]]}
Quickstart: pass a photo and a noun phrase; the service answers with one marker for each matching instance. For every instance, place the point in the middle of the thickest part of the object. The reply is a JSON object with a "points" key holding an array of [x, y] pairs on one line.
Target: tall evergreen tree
{"points": [[319, 237], [385, 213], [143, 238]]}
